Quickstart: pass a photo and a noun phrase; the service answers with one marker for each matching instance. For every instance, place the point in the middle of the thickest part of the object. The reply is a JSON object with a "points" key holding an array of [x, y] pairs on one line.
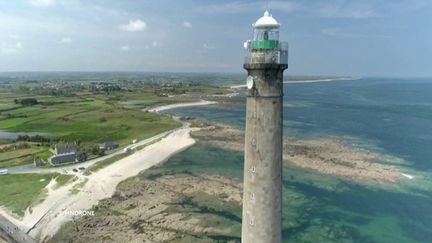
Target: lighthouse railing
{"points": [[278, 55]]}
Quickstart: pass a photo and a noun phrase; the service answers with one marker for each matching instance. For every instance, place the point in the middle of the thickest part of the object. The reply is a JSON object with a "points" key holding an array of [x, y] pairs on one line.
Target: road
{"points": [[14, 232], [68, 169]]}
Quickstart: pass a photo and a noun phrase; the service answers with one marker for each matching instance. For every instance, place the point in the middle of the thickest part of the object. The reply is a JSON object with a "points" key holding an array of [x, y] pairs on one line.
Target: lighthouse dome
{"points": [[266, 21]]}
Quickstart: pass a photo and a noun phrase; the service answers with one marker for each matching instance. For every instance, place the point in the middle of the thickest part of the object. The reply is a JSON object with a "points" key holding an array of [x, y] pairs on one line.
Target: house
{"points": [[66, 153], [65, 148], [108, 146]]}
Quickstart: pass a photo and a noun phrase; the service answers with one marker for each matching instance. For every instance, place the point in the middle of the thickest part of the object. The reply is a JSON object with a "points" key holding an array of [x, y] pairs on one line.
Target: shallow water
{"points": [[320, 208], [390, 116], [15, 135]]}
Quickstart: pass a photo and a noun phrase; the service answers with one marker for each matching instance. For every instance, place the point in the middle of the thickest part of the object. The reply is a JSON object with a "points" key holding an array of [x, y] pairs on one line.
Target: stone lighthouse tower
{"points": [[262, 195]]}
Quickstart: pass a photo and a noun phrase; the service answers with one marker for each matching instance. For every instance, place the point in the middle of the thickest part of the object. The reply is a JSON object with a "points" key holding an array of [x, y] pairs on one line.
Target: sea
{"points": [[390, 116]]}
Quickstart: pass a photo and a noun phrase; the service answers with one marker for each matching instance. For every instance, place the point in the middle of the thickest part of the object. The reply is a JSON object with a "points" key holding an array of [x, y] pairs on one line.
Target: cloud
{"points": [[336, 32], [283, 6], [154, 44], [16, 37], [345, 9], [65, 40], [237, 7], [134, 25], [187, 24], [337, 9], [209, 47], [125, 48], [6, 47], [42, 3]]}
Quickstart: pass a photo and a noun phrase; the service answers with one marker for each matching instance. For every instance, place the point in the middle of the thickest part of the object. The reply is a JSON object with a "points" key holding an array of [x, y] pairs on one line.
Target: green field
{"points": [[87, 118], [22, 156], [18, 192], [92, 121], [83, 113], [87, 113]]}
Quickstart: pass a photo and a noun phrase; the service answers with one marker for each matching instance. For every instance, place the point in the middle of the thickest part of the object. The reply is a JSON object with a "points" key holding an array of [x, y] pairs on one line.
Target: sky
{"points": [[334, 37]]}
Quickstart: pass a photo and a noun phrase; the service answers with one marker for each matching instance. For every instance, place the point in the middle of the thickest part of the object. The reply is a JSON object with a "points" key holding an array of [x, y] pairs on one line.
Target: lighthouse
{"points": [[262, 192]]}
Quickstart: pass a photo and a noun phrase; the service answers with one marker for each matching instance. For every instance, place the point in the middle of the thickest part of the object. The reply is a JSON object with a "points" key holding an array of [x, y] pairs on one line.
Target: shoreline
{"points": [[179, 105], [101, 184], [324, 155], [302, 81], [46, 218], [320, 80]]}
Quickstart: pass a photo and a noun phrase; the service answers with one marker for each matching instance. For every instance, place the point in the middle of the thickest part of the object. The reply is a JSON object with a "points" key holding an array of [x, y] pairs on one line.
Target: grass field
{"points": [[23, 156], [5, 141], [18, 192], [71, 115], [86, 117]]}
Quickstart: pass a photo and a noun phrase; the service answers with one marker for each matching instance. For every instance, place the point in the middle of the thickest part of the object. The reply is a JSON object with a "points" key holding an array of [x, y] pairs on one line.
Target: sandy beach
{"points": [[47, 217], [167, 107], [43, 220]]}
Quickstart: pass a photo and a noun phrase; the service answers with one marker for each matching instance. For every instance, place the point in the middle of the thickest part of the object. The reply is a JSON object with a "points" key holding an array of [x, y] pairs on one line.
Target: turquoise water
{"points": [[390, 116]]}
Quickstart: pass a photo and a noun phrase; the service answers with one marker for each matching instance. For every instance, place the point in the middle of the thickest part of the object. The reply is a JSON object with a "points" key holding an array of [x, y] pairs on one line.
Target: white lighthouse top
{"points": [[266, 21]]}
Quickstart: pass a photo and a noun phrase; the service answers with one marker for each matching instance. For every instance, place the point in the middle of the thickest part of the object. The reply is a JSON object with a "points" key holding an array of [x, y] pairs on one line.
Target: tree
{"points": [[97, 151], [29, 101]]}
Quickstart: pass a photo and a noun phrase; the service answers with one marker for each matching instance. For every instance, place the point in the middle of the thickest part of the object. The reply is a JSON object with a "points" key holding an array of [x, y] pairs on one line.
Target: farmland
{"points": [[87, 113]]}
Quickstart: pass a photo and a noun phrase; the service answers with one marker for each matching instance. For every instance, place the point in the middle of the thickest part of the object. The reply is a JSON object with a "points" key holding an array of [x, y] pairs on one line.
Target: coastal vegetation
{"points": [[19, 192], [77, 187], [43, 113], [104, 163], [196, 195], [17, 153]]}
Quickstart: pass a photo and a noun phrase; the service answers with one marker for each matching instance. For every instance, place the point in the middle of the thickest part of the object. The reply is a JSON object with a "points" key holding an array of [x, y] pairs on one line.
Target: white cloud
{"points": [[340, 33], [187, 24], [283, 6], [16, 37], [154, 44], [42, 3], [125, 48], [65, 40], [209, 47], [6, 47], [134, 25], [237, 7], [338, 9], [324, 9]]}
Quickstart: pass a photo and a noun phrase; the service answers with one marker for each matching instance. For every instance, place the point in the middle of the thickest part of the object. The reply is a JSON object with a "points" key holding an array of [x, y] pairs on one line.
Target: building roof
{"points": [[108, 145], [65, 148], [266, 21]]}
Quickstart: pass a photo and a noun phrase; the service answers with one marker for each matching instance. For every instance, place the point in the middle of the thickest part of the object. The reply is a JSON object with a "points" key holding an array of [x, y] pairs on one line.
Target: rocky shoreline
{"points": [[162, 208], [327, 155], [169, 203]]}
